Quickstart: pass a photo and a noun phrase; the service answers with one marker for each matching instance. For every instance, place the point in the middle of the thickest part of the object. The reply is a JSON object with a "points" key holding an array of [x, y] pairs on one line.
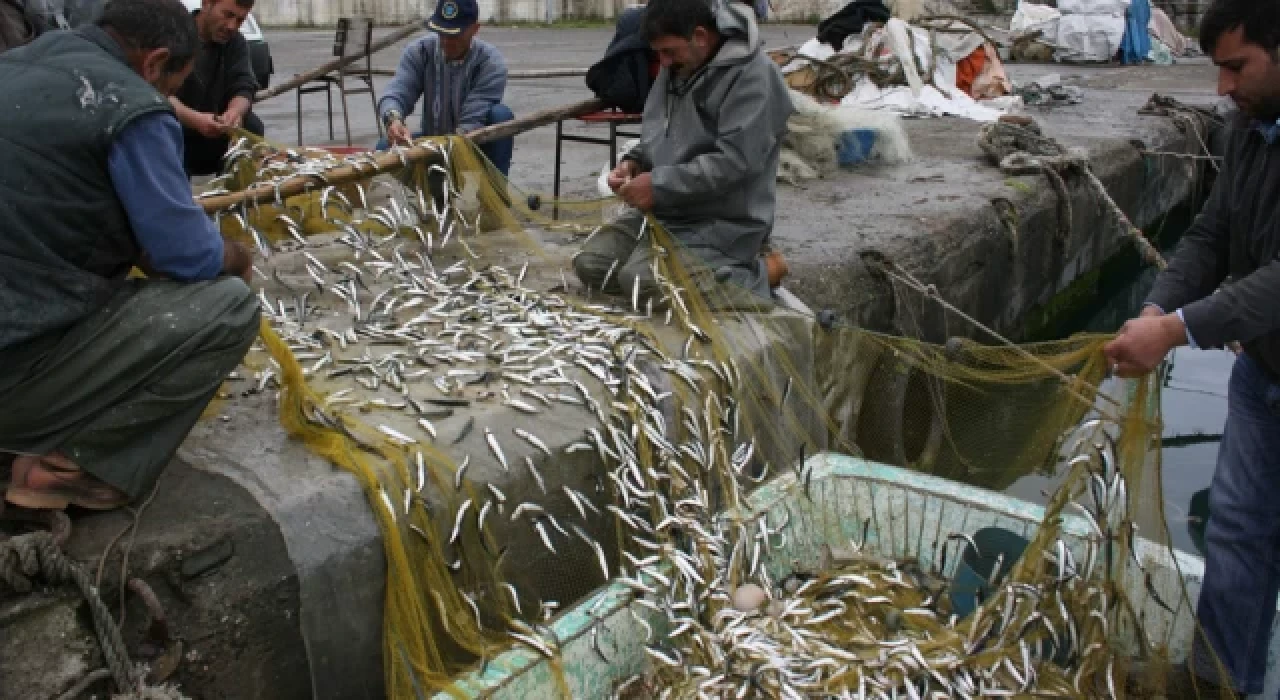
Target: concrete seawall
{"points": [[989, 243]]}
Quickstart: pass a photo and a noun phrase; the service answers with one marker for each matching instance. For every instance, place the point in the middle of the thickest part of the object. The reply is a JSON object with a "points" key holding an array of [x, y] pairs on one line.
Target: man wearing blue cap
{"points": [[460, 78]]}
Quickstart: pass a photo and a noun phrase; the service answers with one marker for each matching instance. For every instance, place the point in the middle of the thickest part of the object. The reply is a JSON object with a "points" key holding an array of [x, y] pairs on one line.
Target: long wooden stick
{"points": [[515, 74], [298, 80], [298, 184], [535, 120], [390, 161]]}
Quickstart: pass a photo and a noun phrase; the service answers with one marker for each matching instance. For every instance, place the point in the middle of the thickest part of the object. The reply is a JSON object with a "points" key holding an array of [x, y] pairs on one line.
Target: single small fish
{"points": [[462, 468], [533, 440], [457, 521], [496, 449], [542, 533], [466, 430]]}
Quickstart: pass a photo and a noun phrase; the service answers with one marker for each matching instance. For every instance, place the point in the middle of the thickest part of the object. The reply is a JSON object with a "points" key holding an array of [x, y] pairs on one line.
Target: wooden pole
{"points": [[298, 184], [553, 73], [337, 63], [535, 120], [516, 74], [390, 161]]}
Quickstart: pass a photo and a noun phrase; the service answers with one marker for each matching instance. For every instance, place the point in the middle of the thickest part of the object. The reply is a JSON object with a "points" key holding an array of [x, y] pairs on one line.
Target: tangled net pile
{"points": [[397, 336]]}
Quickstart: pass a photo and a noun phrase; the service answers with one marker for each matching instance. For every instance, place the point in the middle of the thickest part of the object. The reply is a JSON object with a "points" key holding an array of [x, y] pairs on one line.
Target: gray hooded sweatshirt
{"points": [[712, 145]]}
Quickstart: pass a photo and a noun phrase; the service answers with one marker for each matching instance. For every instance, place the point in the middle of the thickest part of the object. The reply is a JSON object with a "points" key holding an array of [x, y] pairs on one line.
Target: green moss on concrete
{"points": [[1045, 322]]}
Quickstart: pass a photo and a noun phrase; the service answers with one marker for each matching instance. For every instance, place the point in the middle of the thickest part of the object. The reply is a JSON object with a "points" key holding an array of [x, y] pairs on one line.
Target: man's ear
{"points": [[701, 37], [153, 64]]}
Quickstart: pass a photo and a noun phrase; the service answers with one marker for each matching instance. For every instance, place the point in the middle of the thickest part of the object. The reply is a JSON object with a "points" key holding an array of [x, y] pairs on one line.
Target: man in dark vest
{"points": [[101, 376], [218, 94]]}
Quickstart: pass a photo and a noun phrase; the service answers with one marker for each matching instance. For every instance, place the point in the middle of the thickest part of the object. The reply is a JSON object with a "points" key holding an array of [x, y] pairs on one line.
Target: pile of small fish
{"points": [[875, 628], [435, 340]]}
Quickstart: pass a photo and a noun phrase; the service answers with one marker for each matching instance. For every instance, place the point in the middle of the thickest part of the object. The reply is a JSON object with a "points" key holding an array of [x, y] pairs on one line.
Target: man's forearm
{"points": [[186, 115], [239, 106]]}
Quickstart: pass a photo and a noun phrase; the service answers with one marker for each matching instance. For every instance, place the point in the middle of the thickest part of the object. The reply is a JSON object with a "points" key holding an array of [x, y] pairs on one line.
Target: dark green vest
{"points": [[65, 240]]}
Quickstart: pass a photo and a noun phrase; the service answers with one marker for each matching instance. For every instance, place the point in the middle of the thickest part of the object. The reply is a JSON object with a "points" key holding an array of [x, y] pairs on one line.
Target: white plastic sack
{"points": [[1093, 7], [816, 49], [1031, 17], [1090, 37]]}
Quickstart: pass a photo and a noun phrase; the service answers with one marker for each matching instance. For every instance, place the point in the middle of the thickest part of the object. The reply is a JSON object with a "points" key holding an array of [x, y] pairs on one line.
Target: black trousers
{"points": [[203, 156]]}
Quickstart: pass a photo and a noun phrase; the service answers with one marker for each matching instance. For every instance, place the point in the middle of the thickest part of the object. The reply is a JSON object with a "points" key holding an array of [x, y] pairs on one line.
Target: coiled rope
{"points": [[1021, 149], [36, 558]]}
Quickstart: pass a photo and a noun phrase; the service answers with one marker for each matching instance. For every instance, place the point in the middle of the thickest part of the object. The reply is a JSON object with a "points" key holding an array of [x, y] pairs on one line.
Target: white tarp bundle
{"points": [[1032, 17], [916, 99], [1082, 30], [1093, 7]]}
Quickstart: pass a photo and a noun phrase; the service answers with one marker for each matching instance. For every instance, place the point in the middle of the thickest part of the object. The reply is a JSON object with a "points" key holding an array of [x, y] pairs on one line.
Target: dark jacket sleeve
{"points": [[238, 69], [1243, 310], [1201, 261]]}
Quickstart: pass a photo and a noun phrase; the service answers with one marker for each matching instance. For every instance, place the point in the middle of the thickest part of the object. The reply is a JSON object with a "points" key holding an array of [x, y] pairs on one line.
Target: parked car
{"points": [[259, 51]]}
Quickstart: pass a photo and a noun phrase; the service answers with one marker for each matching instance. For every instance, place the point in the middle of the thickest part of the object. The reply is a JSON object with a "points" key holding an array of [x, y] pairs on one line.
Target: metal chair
{"points": [[352, 38], [614, 118]]}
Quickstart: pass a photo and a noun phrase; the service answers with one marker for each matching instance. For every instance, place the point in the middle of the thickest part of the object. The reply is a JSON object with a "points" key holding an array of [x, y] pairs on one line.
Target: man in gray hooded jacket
{"points": [[707, 161]]}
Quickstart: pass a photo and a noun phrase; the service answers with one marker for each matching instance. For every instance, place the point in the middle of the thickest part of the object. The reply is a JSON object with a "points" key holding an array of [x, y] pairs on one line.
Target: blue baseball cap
{"points": [[453, 16]]}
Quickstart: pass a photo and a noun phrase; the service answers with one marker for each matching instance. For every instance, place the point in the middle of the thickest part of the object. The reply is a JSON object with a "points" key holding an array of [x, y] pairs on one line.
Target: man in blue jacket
{"points": [[460, 79], [101, 376]]}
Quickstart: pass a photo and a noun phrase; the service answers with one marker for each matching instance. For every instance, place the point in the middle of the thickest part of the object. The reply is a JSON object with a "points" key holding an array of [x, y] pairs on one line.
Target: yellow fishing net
{"points": [[425, 336]]}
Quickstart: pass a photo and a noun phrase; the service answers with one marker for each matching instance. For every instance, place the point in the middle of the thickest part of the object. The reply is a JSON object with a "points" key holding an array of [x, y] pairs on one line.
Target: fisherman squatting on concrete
{"points": [[104, 376], [707, 161], [460, 80]]}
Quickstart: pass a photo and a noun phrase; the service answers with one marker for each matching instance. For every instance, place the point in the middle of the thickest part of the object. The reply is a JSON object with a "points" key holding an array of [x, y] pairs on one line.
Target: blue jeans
{"points": [[498, 152], [1242, 541]]}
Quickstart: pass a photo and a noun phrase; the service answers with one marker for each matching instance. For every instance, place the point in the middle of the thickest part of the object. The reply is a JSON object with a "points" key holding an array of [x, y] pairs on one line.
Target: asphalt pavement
{"points": [[525, 49]]}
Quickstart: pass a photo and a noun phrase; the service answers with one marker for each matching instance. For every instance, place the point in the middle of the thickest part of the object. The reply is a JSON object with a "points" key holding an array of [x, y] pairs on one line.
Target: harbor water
{"points": [[1193, 398]]}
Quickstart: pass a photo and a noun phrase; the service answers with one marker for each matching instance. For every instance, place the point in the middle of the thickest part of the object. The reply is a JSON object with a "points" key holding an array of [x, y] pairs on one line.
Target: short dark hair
{"points": [[677, 18], [1260, 19], [146, 25]]}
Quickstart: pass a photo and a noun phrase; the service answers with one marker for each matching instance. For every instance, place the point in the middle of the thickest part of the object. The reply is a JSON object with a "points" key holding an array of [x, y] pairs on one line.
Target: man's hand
{"points": [[233, 117], [638, 192], [621, 174], [1144, 342], [207, 125], [1151, 311], [237, 260], [230, 119], [398, 134]]}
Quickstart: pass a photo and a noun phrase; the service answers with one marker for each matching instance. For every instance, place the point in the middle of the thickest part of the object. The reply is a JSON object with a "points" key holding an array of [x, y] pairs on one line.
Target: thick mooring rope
{"points": [[34, 558], [1023, 150], [28, 559]]}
